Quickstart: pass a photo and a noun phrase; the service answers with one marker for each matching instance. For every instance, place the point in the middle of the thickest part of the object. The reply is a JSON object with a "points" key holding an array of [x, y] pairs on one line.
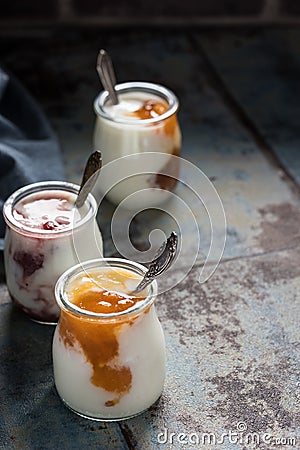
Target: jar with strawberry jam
{"points": [[45, 235], [141, 137], [108, 346]]}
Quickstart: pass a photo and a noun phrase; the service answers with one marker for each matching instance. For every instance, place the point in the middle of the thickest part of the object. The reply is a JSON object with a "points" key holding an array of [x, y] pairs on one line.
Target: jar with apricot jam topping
{"points": [[108, 346], [143, 122]]}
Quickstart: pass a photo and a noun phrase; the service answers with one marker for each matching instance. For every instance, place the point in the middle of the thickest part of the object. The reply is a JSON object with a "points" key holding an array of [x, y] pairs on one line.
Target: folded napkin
{"points": [[29, 150]]}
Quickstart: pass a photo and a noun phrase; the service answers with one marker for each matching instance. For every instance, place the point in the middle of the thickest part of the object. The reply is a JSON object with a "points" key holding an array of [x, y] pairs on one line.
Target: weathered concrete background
{"points": [[232, 342]]}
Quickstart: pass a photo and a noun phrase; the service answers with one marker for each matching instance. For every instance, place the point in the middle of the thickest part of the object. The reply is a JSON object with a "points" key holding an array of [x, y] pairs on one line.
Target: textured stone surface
{"points": [[259, 213], [232, 343], [261, 70], [232, 357], [233, 353]]}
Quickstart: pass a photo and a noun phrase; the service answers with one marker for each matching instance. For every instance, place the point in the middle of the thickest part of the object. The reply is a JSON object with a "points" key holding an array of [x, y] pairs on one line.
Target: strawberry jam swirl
{"points": [[45, 211], [99, 341]]}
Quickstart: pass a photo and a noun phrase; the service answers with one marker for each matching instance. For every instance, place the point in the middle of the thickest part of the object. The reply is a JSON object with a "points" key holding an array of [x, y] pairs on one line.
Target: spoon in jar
{"points": [[89, 178], [107, 75], [166, 256]]}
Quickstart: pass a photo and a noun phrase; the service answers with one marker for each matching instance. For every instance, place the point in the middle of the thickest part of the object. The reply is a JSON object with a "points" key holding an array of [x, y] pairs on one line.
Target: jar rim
{"points": [[138, 86], [72, 272], [32, 188]]}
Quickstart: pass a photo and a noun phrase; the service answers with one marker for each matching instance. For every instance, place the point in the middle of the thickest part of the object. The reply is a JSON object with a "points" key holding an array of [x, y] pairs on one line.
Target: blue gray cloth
{"points": [[29, 149]]}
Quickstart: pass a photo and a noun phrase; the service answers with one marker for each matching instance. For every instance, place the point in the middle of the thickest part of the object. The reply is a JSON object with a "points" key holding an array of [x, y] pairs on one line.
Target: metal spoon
{"points": [[107, 75], [89, 178], [161, 263]]}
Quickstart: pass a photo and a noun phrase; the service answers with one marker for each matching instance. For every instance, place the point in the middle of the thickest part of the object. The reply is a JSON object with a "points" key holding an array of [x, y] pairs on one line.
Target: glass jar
{"points": [[142, 130], [107, 366], [34, 258]]}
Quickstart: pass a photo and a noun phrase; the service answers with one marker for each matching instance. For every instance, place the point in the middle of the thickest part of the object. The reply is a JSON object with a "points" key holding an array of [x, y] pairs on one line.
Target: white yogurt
{"points": [[144, 121], [139, 350], [35, 257]]}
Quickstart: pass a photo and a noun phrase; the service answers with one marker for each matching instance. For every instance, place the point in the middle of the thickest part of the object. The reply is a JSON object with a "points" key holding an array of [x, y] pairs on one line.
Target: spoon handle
{"points": [[161, 263], [107, 75], [89, 178]]}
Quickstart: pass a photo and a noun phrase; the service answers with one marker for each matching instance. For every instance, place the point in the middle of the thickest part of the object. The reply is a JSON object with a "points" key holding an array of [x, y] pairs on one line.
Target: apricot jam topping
{"points": [[154, 108], [101, 291]]}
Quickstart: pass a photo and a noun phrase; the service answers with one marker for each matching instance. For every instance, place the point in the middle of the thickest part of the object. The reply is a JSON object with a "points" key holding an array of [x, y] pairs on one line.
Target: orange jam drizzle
{"points": [[154, 108], [99, 340]]}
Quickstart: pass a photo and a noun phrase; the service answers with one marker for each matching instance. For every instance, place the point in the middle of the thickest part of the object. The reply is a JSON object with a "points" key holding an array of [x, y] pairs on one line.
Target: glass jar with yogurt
{"points": [[142, 130], [45, 235], [108, 346]]}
